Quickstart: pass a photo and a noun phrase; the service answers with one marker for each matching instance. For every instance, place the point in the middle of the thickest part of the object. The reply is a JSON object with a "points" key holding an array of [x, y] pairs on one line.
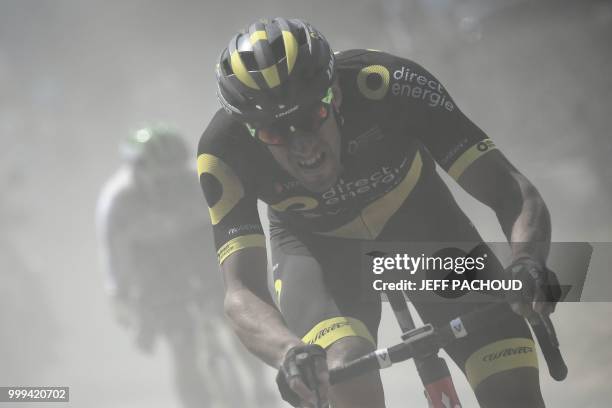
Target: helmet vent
{"points": [[278, 48], [227, 67], [248, 59]]}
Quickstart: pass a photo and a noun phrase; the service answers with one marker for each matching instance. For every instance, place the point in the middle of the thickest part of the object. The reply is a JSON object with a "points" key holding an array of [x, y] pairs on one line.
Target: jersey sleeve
{"points": [[229, 192], [419, 99]]}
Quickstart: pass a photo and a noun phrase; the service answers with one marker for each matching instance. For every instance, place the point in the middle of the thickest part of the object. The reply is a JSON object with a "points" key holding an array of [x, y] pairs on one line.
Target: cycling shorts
{"points": [[318, 289]]}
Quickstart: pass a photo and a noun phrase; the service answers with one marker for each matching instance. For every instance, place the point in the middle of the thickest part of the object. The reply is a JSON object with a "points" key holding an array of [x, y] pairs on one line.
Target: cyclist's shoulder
{"points": [[358, 59], [226, 144], [377, 77], [223, 135]]}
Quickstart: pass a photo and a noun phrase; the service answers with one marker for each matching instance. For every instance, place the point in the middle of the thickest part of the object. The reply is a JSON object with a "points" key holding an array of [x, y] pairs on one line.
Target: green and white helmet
{"points": [[154, 146]]}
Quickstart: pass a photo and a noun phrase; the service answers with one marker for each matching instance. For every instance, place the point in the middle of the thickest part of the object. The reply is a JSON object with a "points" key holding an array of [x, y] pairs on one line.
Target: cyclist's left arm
{"points": [[525, 220], [520, 209], [467, 154]]}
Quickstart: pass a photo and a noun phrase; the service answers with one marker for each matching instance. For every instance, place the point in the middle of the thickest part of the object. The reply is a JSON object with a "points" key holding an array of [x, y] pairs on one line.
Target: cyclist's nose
{"points": [[303, 143]]}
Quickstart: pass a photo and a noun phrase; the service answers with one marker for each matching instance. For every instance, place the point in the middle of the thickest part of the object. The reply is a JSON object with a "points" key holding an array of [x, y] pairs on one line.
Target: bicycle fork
{"points": [[439, 388], [433, 370]]}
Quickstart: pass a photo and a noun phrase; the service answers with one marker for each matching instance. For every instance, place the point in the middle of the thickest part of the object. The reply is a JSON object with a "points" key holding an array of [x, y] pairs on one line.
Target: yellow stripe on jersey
{"points": [[500, 356], [331, 330], [232, 190], [238, 243], [380, 211], [470, 156], [374, 217]]}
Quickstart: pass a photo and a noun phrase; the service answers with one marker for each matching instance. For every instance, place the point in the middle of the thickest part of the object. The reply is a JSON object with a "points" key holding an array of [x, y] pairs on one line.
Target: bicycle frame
{"points": [[433, 370]]}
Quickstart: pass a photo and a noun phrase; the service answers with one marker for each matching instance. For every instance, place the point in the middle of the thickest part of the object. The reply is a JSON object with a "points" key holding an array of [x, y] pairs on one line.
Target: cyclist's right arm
{"points": [[229, 186], [250, 309], [261, 328], [231, 168]]}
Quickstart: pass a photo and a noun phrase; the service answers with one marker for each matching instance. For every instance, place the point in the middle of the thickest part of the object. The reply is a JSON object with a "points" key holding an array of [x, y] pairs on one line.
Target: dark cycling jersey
{"points": [[398, 122]]}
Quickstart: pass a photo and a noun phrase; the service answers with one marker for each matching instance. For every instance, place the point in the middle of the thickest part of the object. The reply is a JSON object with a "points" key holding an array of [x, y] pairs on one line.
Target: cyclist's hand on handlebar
{"points": [[540, 292], [303, 378]]}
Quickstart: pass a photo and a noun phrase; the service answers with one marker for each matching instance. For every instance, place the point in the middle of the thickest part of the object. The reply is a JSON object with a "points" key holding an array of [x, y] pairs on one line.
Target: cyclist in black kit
{"points": [[343, 148]]}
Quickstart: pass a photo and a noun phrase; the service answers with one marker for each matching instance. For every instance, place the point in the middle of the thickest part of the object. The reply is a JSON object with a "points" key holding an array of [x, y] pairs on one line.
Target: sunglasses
{"points": [[311, 121]]}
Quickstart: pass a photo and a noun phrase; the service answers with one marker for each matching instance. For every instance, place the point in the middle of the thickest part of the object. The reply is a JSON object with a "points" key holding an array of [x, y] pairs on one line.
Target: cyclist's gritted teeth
{"points": [[318, 171], [313, 162]]}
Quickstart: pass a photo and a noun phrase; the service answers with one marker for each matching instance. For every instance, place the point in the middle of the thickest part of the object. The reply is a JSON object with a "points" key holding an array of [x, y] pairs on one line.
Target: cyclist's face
{"points": [[313, 158]]}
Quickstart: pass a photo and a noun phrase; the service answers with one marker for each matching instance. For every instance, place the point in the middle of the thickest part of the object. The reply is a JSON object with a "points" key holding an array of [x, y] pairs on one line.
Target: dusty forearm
{"points": [[520, 209], [259, 325], [528, 228]]}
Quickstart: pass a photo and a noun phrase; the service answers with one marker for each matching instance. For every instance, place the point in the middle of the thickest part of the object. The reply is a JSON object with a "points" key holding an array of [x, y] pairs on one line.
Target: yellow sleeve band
{"points": [[500, 356], [331, 330], [470, 156], [236, 244]]}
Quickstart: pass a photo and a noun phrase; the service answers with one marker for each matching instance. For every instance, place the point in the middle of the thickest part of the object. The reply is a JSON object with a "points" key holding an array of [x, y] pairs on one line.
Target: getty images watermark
{"points": [[467, 271], [453, 267]]}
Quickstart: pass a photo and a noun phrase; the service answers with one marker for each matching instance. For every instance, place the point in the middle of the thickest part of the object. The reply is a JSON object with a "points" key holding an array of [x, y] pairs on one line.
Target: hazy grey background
{"points": [[76, 76]]}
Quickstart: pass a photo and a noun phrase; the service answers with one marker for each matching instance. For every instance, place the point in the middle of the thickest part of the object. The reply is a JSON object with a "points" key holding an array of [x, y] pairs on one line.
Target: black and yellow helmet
{"points": [[273, 69]]}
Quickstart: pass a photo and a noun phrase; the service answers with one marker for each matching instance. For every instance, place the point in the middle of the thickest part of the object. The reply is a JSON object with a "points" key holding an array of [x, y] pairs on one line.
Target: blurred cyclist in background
{"points": [[154, 239]]}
